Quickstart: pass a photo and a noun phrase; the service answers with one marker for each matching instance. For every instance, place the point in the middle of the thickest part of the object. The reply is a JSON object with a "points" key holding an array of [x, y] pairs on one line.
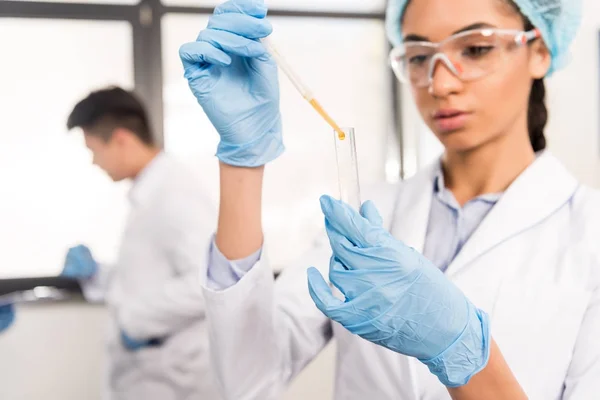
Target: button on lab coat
{"points": [[532, 264], [153, 291]]}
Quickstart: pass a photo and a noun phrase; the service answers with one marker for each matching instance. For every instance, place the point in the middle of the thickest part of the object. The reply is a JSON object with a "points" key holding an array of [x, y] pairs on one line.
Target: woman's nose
{"points": [[444, 77]]}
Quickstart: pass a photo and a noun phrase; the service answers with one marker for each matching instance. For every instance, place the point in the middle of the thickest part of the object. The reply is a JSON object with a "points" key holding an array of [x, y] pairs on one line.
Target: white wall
{"points": [[573, 130], [56, 352]]}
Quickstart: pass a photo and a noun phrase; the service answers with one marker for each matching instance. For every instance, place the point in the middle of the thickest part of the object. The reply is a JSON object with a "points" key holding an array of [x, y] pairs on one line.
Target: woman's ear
{"points": [[540, 59]]}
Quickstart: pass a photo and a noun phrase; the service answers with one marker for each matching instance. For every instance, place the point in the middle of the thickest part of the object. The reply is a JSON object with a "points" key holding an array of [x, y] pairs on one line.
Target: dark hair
{"points": [[537, 113], [102, 111]]}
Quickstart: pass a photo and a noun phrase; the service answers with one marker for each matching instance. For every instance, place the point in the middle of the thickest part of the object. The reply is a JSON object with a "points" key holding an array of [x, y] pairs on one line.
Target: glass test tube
{"points": [[347, 164]]}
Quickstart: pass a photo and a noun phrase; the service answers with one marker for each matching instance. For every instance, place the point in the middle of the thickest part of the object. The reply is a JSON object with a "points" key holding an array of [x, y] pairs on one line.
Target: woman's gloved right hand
{"points": [[233, 77], [396, 298]]}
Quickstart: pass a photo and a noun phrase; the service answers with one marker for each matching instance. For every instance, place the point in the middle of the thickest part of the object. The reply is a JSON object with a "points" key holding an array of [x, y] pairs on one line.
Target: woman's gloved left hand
{"points": [[396, 298]]}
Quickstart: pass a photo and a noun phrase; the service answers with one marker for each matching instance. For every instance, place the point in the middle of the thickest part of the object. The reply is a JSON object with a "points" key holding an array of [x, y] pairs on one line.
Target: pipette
{"points": [[307, 94]]}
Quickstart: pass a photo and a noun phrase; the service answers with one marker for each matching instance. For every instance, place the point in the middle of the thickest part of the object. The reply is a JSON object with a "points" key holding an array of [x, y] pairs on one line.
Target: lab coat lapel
{"points": [[411, 212], [537, 193]]}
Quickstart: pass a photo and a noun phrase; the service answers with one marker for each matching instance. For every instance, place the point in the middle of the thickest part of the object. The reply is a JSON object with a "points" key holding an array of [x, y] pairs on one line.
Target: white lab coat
{"points": [[532, 264], [153, 291]]}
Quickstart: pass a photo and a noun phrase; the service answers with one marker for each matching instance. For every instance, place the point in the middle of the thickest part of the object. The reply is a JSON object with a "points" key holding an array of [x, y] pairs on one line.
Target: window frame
{"points": [[145, 19]]}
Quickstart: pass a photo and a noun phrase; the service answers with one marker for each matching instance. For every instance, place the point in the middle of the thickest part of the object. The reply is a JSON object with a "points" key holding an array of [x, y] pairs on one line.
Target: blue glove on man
{"points": [[235, 81], [7, 316], [396, 298], [79, 263], [133, 344]]}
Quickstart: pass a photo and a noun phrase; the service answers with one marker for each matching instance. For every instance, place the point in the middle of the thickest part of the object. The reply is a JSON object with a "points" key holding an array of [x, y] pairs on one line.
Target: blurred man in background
{"points": [[158, 347]]}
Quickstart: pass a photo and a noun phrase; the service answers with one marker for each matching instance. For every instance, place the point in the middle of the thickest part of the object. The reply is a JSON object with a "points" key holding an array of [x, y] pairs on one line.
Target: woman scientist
{"points": [[508, 306]]}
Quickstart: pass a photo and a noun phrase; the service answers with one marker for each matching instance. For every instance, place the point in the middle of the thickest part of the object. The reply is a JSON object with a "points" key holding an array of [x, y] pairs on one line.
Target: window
{"points": [[341, 57], [344, 63], [52, 197]]}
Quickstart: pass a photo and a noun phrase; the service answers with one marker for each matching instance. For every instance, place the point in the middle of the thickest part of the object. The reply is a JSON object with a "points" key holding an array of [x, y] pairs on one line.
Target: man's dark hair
{"points": [[103, 111]]}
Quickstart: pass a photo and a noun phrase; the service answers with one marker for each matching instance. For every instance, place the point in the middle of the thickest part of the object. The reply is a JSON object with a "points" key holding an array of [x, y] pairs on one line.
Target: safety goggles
{"points": [[469, 55]]}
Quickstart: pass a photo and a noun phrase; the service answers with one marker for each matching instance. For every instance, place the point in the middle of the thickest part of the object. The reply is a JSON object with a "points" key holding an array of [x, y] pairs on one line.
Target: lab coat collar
{"points": [[148, 180], [411, 210], [543, 188]]}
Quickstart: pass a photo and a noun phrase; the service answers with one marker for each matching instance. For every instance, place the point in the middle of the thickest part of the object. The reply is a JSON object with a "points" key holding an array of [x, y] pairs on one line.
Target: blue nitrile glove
{"points": [[133, 344], [235, 81], [396, 298], [79, 263], [7, 316]]}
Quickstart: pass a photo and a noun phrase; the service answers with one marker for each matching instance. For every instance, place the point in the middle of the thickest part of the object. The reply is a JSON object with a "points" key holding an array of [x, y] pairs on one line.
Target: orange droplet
{"points": [[458, 68]]}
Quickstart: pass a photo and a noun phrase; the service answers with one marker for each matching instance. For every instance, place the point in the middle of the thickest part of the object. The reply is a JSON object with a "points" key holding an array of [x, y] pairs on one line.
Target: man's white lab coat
{"points": [[153, 290]]}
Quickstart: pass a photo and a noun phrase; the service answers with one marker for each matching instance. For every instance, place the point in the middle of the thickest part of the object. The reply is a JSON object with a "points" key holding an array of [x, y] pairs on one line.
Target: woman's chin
{"points": [[460, 141]]}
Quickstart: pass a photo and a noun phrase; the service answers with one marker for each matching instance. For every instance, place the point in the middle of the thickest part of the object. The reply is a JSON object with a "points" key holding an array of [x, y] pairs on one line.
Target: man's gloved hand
{"points": [[7, 316], [235, 81], [79, 263], [133, 344], [396, 298]]}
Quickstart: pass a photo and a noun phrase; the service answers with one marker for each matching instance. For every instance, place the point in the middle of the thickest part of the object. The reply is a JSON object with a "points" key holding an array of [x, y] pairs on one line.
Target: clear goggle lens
{"points": [[469, 55]]}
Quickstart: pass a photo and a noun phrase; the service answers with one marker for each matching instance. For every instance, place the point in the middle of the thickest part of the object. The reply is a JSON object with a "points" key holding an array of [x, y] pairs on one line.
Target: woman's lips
{"points": [[450, 120]]}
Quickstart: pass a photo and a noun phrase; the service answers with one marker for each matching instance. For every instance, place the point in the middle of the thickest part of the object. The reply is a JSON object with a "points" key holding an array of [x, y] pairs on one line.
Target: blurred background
{"points": [[53, 53]]}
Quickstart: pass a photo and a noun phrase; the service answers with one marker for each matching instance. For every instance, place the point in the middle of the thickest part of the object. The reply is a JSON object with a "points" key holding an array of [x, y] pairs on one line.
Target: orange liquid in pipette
{"points": [[330, 121]]}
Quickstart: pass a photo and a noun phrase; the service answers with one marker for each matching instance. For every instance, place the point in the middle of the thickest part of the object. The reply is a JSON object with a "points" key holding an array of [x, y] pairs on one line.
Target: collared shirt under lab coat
{"points": [[154, 291], [450, 226], [533, 265]]}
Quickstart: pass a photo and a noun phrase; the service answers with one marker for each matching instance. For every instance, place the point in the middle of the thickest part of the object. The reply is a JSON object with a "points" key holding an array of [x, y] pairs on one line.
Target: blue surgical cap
{"points": [[557, 20]]}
